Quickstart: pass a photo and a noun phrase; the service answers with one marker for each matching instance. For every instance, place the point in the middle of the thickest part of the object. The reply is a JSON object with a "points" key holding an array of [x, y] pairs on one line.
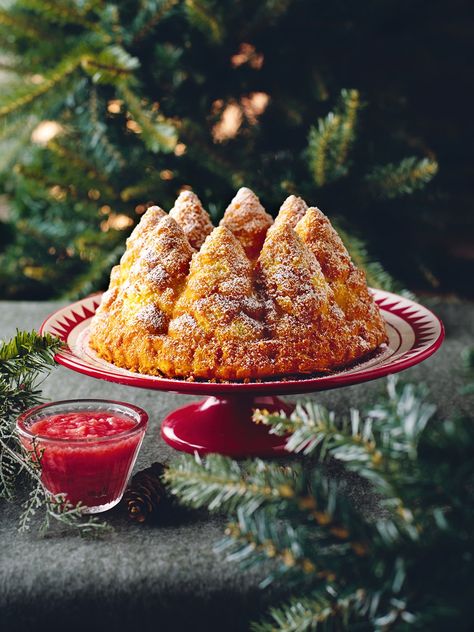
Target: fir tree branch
{"points": [[351, 106], [201, 14], [61, 12], [158, 135], [150, 14], [219, 483], [14, 137], [395, 180], [75, 159], [258, 536], [58, 509], [322, 610], [99, 140], [21, 25], [112, 65], [318, 146], [373, 445], [24, 95], [357, 571], [330, 142]]}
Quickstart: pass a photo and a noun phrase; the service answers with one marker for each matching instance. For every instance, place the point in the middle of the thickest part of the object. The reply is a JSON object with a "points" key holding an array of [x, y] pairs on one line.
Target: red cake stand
{"points": [[222, 422]]}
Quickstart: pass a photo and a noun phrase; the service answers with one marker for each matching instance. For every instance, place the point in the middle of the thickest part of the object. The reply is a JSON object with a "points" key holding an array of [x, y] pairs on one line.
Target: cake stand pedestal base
{"points": [[224, 425]]}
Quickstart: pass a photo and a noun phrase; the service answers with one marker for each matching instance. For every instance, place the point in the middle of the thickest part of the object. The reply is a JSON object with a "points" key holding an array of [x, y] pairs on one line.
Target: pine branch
{"points": [[27, 352], [330, 142], [22, 25], [350, 107], [258, 536], [112, 65], [322, 610], [219, 483], [77, 160], [14, 138], [371, 445], [111, 158], [357, 571], [150, 14], [25, 94], [201, 14], [58, 509], [158, 134], [395, 180], [378, 446], [61, 12]]}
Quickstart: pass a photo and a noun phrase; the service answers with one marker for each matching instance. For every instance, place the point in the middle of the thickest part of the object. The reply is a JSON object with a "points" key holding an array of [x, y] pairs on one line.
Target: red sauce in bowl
{"points": [[85, 454]]}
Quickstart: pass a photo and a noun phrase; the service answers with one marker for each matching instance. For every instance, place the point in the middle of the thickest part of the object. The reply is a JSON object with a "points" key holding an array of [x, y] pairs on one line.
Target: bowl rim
{"points": [[140, 415]]}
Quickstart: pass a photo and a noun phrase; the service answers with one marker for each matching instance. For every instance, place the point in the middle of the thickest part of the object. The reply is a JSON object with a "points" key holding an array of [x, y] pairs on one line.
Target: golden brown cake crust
{"points": [[246, 218], [193, 219], [237, 302]]}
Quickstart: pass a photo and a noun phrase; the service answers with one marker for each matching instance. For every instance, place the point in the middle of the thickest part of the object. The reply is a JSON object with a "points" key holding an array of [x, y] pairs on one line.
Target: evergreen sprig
{"points": [[330, 141], [377, 560], [202, 13], [395, 180], [23, 361], [221, 484]]}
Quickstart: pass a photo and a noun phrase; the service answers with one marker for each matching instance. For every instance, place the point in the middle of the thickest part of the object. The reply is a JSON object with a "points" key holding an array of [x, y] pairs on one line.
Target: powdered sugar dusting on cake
{"points": [[189, 213], [168, 247], [291, 211], [153, 318], [159, 276], [317, 232], [246, 218], [289, 274], [149, 219], [184, 326]]}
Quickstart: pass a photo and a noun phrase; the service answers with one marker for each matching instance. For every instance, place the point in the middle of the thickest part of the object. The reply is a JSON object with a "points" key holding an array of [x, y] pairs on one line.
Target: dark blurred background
{"points": [[363, 108]]}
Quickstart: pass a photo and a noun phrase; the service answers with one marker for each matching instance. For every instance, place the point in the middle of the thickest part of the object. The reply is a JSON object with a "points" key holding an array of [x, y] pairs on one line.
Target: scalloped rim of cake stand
{"points": [[415, 333]]}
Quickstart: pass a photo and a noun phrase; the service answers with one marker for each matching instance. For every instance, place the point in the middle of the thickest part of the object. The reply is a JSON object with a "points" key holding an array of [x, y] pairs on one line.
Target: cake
{"points": [[249, 299]]}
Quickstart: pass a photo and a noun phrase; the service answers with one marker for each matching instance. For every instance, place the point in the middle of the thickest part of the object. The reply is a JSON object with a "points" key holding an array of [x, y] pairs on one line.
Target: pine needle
{"points": [[396, 180], [25, 359]]}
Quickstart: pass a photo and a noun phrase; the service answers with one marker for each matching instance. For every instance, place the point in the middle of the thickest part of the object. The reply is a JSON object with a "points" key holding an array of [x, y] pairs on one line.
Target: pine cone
{"points": [[146, 493]]}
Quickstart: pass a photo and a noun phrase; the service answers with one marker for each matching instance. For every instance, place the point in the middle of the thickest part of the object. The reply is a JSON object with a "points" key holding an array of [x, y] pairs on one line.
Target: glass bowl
{"points": [[87, 448]]}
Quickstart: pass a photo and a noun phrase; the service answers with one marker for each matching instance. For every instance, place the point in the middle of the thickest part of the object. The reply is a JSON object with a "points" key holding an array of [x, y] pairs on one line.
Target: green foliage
{"points": [[158, 134], [401, 561], [330, 142], [394, 180], [219, 483], [23, 361], [201, 13], [137, 90]]}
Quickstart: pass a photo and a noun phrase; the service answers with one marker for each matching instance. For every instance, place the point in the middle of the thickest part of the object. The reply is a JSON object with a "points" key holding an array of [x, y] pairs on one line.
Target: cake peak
{"points": [[189, 213], [319, 235], [291, 211], [246, 218]]}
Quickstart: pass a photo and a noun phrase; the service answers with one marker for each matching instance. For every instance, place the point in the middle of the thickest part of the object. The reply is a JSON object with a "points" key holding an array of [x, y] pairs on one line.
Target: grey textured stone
{"points": [[163, 577]]}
